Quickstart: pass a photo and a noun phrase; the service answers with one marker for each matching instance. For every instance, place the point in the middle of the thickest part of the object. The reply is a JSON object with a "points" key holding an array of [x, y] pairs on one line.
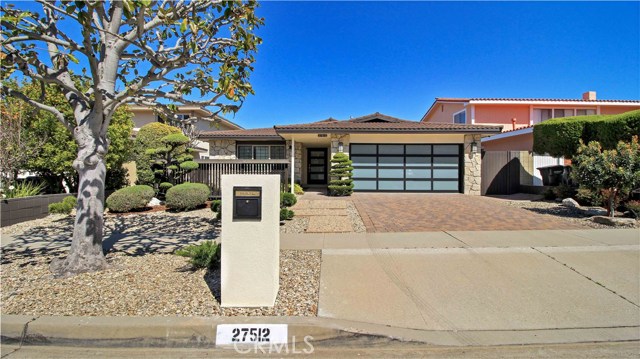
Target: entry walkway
{"points": [[325, 216]]}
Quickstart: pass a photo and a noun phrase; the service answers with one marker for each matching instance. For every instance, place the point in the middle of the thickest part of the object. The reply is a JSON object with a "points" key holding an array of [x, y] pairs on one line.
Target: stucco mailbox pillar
{"points": [[250, 258]]}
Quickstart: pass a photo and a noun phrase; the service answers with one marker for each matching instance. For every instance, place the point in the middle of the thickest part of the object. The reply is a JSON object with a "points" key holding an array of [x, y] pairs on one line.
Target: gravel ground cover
{"points": [[148, 285], [557, 210]]}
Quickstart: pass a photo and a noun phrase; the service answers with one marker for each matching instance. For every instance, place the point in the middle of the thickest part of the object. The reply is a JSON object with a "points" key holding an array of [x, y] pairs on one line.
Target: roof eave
{"points": [[456, 131]]}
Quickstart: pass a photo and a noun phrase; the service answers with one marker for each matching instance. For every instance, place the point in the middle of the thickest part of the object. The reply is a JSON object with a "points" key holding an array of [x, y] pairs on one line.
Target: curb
{"points": [[194, 332]]}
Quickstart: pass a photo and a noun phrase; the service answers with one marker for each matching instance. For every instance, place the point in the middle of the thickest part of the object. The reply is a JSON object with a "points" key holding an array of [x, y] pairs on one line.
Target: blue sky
{"points": [[341, 59]]}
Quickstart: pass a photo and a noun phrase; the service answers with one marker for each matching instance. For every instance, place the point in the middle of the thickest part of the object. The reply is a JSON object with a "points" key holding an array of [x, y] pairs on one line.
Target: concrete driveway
{"points": [[423, 212], [587, 281]]}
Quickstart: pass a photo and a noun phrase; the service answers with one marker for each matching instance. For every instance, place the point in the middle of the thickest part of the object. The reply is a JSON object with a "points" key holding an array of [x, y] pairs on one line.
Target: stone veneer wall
{"points": [[222, 149], [298, 162], [335, 139], [472, 166]]}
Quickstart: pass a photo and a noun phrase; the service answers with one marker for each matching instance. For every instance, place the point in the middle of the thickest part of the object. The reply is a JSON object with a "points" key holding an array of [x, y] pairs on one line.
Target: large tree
{"points": [[144, 52]]}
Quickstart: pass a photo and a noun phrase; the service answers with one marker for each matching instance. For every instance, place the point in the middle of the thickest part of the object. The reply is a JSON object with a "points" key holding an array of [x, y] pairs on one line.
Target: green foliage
{"points": [[341, 183], [165, 186], [634, 207], [148, 139], [205, 255], [287, 199], [167, 159], [563, 191], [612, 172], [22, 189], [216, 205], [561, 136], [589, 197], [297, 189], [286, 214], [63, 207], [187, 196], [130, 198]]}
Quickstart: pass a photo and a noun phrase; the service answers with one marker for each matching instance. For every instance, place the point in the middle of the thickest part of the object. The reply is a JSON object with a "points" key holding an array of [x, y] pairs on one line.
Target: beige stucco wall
{"points": [[443, 113], [406, 138], [141, 118]]}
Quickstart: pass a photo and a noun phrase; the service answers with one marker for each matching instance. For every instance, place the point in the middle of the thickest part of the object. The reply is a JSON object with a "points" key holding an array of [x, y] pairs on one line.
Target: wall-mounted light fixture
{"points": [[340, 147], [474, 147]]}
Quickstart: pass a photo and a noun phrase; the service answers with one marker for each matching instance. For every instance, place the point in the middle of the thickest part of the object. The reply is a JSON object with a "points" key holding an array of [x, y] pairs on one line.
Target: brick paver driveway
{"points": [[411, 212]]}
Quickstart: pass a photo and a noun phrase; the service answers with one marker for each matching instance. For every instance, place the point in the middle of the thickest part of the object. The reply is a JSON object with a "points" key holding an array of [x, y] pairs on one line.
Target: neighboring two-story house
{"points": [[518, 115]]}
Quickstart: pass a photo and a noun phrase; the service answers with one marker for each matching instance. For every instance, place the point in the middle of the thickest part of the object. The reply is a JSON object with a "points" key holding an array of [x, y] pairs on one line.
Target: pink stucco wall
{"points": [[502, 114], [522, 142], [612, 110]]}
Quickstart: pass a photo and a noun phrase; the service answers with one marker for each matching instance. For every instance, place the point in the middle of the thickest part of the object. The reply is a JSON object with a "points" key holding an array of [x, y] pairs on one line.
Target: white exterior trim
{"points": [[558, 102], [519, 132], [293, 167], [473, 114]]}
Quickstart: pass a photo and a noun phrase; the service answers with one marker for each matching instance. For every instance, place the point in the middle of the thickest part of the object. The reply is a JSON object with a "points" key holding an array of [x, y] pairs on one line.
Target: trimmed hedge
{"points": [[341, 183], [287, 199], [561, 136], [130, 198], [187, 196]]}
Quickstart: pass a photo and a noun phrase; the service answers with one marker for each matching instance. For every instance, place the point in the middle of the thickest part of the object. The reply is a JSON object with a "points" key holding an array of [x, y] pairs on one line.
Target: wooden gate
{"points": [[500, 172]]}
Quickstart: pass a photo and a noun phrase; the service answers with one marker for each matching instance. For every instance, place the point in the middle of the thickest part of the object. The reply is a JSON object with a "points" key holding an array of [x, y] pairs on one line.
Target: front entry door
{"points": [[317, 166]]}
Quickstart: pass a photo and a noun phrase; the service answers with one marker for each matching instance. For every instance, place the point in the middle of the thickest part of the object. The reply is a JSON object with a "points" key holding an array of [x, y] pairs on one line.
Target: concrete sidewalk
{"points": [[465, 282]]}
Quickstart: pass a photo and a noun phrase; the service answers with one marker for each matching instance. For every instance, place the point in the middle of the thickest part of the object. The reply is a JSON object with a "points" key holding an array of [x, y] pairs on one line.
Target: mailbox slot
{"points": [[247, 203]]}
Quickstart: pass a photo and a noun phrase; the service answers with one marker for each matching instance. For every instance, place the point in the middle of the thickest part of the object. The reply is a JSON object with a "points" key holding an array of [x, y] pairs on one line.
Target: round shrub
{"points": [[287, 199], [286, 214], [187, 196], [215, 205], [165, 186], [130, 198]]}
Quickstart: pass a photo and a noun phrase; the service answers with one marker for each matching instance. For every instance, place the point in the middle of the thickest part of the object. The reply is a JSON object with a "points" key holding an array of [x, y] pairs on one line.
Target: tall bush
{"points": [[149, 136], [561, 136], [341, 183], [613, 173]]}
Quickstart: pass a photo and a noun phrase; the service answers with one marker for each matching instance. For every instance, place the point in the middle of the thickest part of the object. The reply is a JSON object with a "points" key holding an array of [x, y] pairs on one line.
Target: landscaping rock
{"points": [[570, 202], [154, 202], [614, 221], [593, 211]]}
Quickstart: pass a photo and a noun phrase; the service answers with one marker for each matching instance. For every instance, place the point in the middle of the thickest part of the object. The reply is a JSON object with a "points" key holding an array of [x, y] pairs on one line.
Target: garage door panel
{"points": [[402, 167]]}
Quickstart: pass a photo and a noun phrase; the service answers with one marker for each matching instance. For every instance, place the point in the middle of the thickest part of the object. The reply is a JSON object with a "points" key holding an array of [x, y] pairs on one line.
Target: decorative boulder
{"points": [[614, 221], [154, 202], [570, 202]]}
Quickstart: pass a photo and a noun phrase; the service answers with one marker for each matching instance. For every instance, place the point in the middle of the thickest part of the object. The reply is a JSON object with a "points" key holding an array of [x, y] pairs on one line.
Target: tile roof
{"points": [[379, 123], [498, 99]]}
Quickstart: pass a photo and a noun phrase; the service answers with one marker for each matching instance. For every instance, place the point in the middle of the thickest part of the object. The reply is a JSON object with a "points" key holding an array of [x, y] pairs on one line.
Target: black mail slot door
{"points": [[247, 203]]}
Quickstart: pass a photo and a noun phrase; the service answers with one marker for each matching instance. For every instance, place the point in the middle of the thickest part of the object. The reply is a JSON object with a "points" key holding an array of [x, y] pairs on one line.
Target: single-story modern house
{"points": [[388, 154]]}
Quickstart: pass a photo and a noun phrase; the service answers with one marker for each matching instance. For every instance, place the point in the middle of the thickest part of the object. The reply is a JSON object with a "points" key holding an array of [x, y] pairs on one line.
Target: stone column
{"points": [[335, 140], [472, 166], [298, 161]]}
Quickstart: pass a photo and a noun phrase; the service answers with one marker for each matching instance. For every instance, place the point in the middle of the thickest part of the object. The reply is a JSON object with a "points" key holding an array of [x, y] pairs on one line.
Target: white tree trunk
{"points": [[86, 254]]}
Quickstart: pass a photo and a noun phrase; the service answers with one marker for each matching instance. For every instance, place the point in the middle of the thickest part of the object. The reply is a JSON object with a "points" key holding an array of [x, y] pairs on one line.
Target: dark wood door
{"points": [[316, 165]]}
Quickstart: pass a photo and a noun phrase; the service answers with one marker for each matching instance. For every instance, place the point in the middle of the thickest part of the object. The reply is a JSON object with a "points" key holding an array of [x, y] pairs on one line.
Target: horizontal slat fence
{"points": [[209, 171]]}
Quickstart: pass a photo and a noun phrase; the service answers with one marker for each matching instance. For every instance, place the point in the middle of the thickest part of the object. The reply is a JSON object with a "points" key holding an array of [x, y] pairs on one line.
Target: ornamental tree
{"points": [[171, 161], [341, 183], [143, 52], [613, 173]]}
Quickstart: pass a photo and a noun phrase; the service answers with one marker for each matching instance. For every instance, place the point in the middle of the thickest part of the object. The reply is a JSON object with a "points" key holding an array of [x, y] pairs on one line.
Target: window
{"points": [[260, 152], [562, 113], [460, 117], [584, 112]]}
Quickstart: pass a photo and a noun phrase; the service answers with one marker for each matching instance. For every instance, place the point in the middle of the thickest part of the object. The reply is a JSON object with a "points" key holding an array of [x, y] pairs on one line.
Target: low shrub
{"points": [[297, 189], [549, 195], [64, 207], [287, 199], [205, 255], [130, 198], [216, 205], [634, 207], [588, 197], [187, 196], [563, 191], [286, 214]]}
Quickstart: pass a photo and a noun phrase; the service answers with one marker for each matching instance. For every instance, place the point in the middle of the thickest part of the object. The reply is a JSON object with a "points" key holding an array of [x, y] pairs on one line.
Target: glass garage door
{"points": [[411, 168]]}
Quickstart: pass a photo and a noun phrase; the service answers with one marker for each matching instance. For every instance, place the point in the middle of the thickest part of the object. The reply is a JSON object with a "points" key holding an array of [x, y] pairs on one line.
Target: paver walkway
{"points": [[325, 216], [417, 212]]}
